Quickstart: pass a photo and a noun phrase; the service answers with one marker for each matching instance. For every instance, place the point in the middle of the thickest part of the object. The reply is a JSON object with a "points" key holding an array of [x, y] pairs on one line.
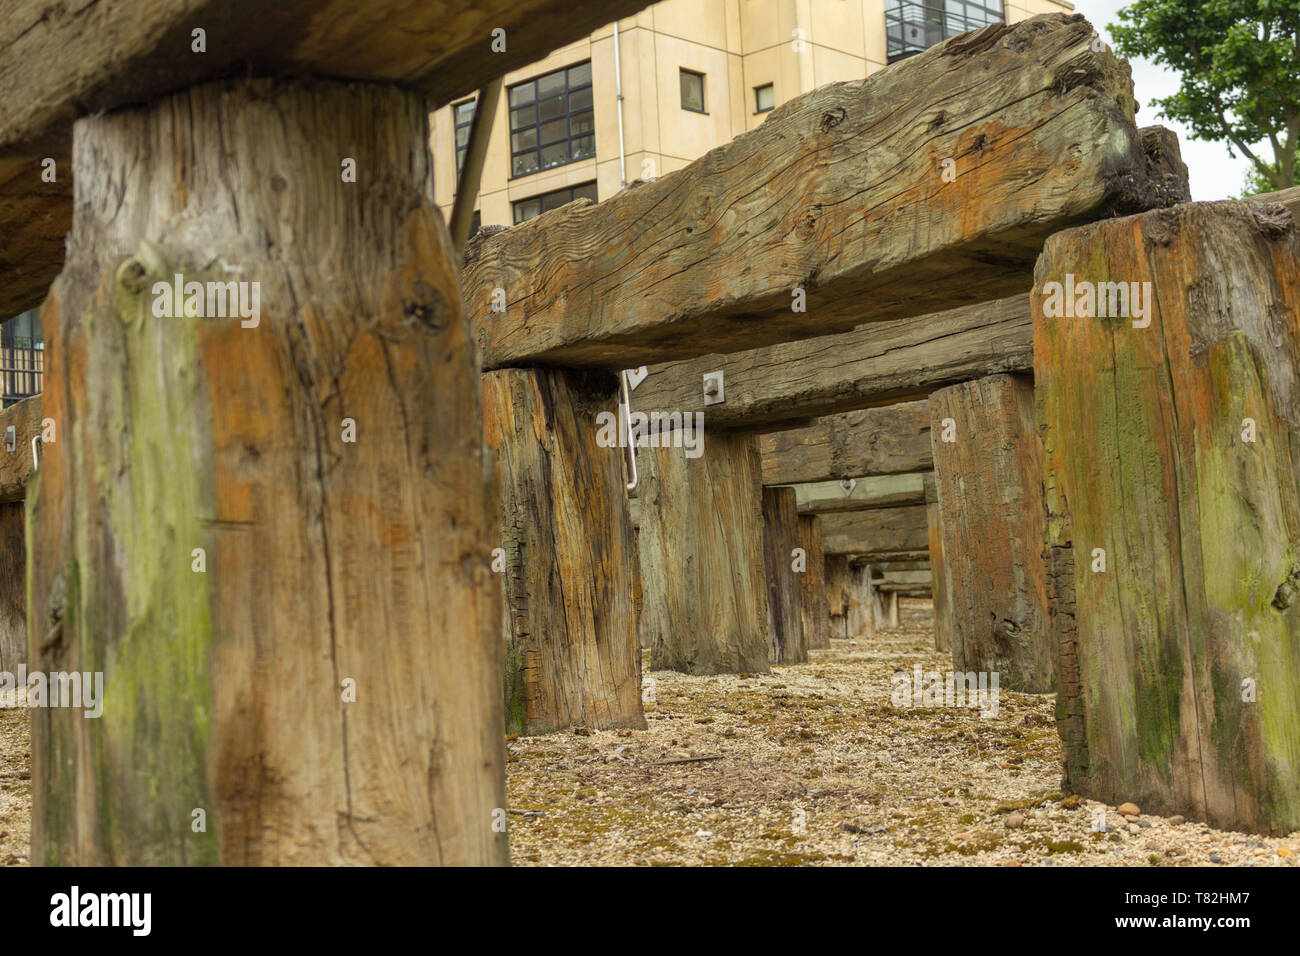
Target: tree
{"points": [[1240, 66]]}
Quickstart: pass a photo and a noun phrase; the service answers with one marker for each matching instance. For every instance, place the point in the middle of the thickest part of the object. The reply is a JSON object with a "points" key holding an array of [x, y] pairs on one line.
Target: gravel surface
{"points": [[811, 764], [814, 765]]}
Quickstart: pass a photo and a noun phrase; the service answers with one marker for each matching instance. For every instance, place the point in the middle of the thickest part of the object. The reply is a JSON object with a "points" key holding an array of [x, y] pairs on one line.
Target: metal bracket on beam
{"points": [[11, 438], [715, 392]]}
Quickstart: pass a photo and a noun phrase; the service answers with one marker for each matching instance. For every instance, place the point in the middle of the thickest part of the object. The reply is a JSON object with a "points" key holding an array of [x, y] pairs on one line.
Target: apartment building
{"points": [[650, 93]]}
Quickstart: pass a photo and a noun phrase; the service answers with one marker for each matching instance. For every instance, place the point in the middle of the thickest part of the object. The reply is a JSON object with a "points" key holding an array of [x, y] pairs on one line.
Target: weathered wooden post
{"points": [[837, 593], [570, 561], [814, 608], [890, 601], [940, 579], [786, 643], [265, 520], [862, 603], [988, 473], [13, 586], [704, 592], [17, 460], [1167, 358]]}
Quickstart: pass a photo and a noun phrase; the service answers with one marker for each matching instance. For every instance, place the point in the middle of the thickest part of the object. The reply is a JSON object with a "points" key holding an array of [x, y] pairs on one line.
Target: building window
{"points": [[915, 25], [551, 121], [536, 205], [463, 117], [764, 98], [22, 357], [692, 91]]}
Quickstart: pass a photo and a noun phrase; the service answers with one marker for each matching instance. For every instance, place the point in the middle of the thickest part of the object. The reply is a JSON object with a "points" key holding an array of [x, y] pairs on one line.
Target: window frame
{"points": [[758, 108], [538, 123], [540, 198], [456, 127], [683, 72]]}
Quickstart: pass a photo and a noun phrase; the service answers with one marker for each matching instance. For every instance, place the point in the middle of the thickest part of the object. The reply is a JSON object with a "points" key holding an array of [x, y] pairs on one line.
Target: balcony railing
{"points": [[21, 371]]}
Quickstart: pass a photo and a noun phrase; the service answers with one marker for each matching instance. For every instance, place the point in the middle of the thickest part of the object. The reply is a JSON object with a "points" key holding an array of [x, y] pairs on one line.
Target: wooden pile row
{"points": [[281, 543]]}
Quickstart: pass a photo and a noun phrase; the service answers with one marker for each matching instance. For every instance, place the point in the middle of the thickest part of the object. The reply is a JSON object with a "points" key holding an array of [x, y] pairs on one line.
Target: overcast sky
{"points": [[1213, 173]]}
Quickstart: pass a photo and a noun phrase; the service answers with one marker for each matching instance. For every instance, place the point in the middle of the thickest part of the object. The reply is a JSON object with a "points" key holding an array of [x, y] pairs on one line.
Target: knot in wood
{"points": [[133, 276], [832, 118], [806, 228], [425, 306]]}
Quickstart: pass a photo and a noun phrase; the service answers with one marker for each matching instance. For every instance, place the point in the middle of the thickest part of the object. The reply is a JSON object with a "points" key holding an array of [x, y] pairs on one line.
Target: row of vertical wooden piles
{"points": [[278, 541]]}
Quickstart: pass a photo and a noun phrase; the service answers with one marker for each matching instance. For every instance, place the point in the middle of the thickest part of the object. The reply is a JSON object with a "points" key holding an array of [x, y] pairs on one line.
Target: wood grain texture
{"points": [[325, 561], [874, 441], [815, 607], [989, 483], [840, 192], [61, 59], [785, 637], [940, 575], [895, 531], [867, 494], [881, 363], [1148, 457], [13, 586], [16, 466], [703, 585], [572, 657]]}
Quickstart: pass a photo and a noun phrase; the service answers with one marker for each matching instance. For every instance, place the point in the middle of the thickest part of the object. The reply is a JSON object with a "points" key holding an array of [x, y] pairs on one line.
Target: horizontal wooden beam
{"points": [[17, 466], [866, 532], [888, 566], [882, 363], [874, 441], [874, 558], [928, 185], [904, 577], [903, 590], [62, 59], [865, 494]]}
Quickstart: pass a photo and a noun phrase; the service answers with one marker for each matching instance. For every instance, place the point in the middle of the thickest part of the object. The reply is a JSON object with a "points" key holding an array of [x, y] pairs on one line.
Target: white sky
{"points": [[1212, 172]]}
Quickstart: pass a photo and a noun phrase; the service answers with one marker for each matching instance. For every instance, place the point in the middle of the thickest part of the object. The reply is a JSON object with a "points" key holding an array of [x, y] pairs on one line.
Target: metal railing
{"points": [[21, 372]]}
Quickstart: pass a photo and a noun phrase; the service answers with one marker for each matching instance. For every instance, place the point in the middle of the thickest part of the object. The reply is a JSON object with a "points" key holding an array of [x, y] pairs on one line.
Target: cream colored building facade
{"points": [[738, 47]]}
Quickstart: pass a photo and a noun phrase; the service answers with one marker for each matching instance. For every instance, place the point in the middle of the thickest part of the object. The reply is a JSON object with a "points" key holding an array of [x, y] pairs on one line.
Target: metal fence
{"points": [[21, 371]]}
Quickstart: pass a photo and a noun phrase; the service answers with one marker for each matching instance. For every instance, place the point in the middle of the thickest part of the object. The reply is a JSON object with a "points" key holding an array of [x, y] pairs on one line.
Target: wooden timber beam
{"points": [[882, 363], [866, 494], [16, 466], [865, 443], [928, 185], [890, 531], [60, 60]]}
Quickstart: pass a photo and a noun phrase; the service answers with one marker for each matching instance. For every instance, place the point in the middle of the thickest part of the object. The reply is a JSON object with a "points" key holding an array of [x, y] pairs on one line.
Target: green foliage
{"points": [[1240, 67]]}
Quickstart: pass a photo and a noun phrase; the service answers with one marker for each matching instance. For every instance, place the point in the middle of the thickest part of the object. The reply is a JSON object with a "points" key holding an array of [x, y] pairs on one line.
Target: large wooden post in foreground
{"points": [[704, 596], [570, 563], [814, 608], [989, 481], [1171, 423], [270, 531], [785, 635], [940, 581]]}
